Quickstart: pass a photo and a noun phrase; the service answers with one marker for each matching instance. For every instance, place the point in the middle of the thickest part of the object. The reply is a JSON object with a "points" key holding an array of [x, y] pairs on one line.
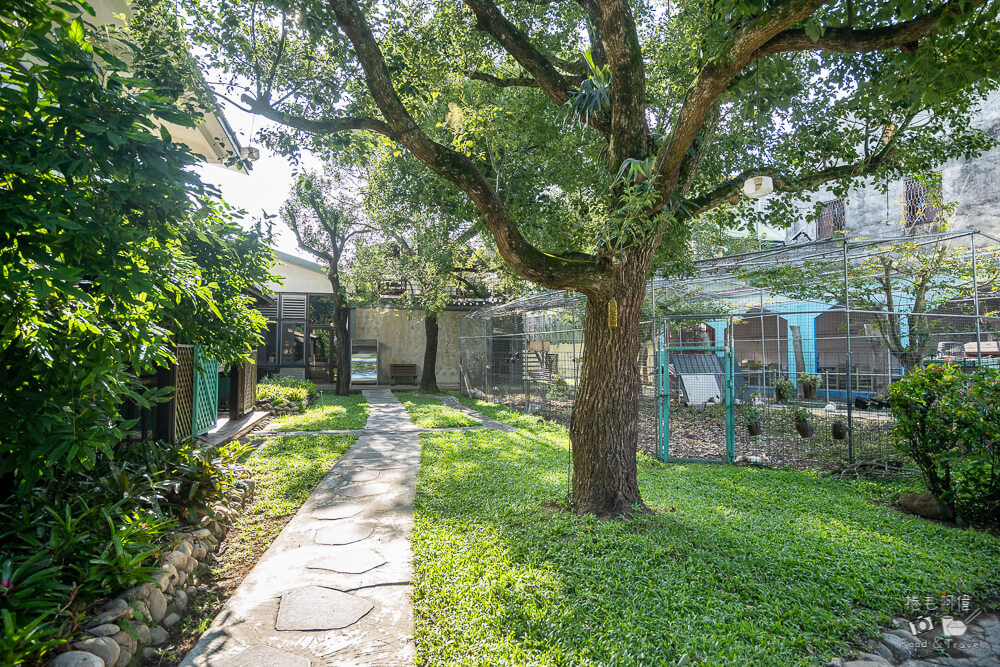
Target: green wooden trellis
{"points": [[205, 399], [663, 399]]}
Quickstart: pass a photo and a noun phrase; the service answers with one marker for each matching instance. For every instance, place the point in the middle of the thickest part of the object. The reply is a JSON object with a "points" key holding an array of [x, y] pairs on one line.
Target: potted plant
{"points": [[784, 390], [802, 423], [839, 429], [752, 421], [810, 385]]}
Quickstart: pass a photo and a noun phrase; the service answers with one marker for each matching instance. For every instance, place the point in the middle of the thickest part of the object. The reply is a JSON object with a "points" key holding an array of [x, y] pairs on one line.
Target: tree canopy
{"points": [[111, 248]]}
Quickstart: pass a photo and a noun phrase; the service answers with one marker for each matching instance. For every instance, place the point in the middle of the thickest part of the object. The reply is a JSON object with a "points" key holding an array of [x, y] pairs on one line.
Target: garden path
{"points": [[334, 586]]}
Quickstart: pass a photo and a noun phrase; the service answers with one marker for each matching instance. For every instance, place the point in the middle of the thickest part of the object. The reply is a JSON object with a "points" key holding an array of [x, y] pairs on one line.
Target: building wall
{"points": [[299, 279], [969, 183], [399, 332], [400, 335]]}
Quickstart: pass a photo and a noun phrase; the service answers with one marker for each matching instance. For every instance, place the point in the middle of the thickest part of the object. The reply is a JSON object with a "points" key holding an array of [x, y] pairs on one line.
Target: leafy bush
{"points": [[278, 386], [112, 248], [784, 390], [949, 423], [274, 393], [96, 532], [809, 378]]}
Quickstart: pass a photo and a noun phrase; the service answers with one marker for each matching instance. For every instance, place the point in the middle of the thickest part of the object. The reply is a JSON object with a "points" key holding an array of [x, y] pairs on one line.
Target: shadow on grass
{"points": [[329, 413], [428, 412], [287, 469], [739, 566]]}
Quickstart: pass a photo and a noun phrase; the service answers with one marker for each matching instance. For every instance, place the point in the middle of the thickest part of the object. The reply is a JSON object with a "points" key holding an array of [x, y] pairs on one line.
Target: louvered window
{"points": [[293, 307]]}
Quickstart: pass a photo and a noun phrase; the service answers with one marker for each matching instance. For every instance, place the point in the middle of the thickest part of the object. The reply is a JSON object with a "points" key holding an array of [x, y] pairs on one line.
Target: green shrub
{"points": [[273, 393], [96, 532], [284, 381], [277, 388], [948, 421]]}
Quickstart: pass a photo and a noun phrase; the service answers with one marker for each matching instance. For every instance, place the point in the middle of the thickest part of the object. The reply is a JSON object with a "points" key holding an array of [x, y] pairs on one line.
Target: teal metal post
{"points": [[664, 391], [730, 408]]}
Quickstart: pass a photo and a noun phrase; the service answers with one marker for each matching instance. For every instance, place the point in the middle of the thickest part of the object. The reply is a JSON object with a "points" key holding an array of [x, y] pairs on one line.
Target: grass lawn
{"points": [[739, 566], [329, 413], [427, 412]]}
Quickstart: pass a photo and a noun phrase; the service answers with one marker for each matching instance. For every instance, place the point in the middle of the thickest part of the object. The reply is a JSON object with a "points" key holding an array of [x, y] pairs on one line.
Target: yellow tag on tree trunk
{"points": [[612, 313]]}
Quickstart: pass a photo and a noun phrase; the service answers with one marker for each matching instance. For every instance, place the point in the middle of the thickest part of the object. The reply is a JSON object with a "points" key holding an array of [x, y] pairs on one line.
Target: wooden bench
{"points": [[403, 371]]}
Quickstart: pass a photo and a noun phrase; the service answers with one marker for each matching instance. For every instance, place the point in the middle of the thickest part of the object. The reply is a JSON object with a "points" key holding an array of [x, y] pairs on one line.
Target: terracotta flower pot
{"points": [[839, 430], [804, 427]]}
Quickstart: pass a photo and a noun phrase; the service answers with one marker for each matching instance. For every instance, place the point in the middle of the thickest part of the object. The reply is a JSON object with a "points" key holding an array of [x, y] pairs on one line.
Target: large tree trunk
{"points": [[428, 379], [603, 428]]}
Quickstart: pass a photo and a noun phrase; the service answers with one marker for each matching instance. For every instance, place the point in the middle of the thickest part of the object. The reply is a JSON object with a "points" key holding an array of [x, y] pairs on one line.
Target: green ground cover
{"points": [[427, 412], [286, 470], [739, 566], [329, 413]]}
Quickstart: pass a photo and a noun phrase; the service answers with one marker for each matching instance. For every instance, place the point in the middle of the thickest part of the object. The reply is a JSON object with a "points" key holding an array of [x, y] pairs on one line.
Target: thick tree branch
{"points": [[848, 40], [526, 259], [629, 132], [517, 44], [730, 189], [262, 107], [770, 34], [555, 86], [595, 30], [712, 81]]}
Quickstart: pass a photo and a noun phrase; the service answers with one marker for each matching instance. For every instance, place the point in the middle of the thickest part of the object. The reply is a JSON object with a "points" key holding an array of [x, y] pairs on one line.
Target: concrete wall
{"points": [[400, 335], [970, 183]]}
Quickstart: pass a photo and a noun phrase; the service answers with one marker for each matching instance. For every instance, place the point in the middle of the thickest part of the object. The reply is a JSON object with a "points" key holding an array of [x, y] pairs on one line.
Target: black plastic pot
{"points": [[754, 428], [804, 427], [839, 430], [809, 390]]}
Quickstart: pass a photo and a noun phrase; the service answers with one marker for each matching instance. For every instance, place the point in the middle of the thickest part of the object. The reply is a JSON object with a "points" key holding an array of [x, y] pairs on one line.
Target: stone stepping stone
{"points": [[319, 608], [256, 656], [361, 476], [345, 534], [353, 560], [340, 511], [366, 490]]}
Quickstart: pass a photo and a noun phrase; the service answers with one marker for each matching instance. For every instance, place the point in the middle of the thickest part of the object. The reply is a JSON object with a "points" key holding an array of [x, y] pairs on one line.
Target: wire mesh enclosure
{"points": [[813, 336]]}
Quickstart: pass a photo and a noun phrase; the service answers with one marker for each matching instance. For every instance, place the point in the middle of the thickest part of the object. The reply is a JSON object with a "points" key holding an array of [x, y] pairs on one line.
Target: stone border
{"points": [[129, 627]]}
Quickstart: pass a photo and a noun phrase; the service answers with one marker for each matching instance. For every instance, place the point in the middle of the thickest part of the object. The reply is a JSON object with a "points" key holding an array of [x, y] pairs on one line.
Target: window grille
{"points": [[919, 204], [831, 220]]}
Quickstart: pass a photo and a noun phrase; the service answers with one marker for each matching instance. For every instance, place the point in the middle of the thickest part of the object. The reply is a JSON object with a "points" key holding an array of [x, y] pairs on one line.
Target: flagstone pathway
{"points": [[334, 587]]}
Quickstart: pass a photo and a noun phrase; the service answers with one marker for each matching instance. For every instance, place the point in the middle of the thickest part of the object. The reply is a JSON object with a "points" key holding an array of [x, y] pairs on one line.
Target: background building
{"points": [[299, 341], [908, 206]]}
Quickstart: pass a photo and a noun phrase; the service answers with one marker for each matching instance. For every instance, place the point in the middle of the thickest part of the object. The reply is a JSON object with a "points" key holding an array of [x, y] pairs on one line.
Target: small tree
{"points": [[429, 239], [901, 285], [324, 214]]}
